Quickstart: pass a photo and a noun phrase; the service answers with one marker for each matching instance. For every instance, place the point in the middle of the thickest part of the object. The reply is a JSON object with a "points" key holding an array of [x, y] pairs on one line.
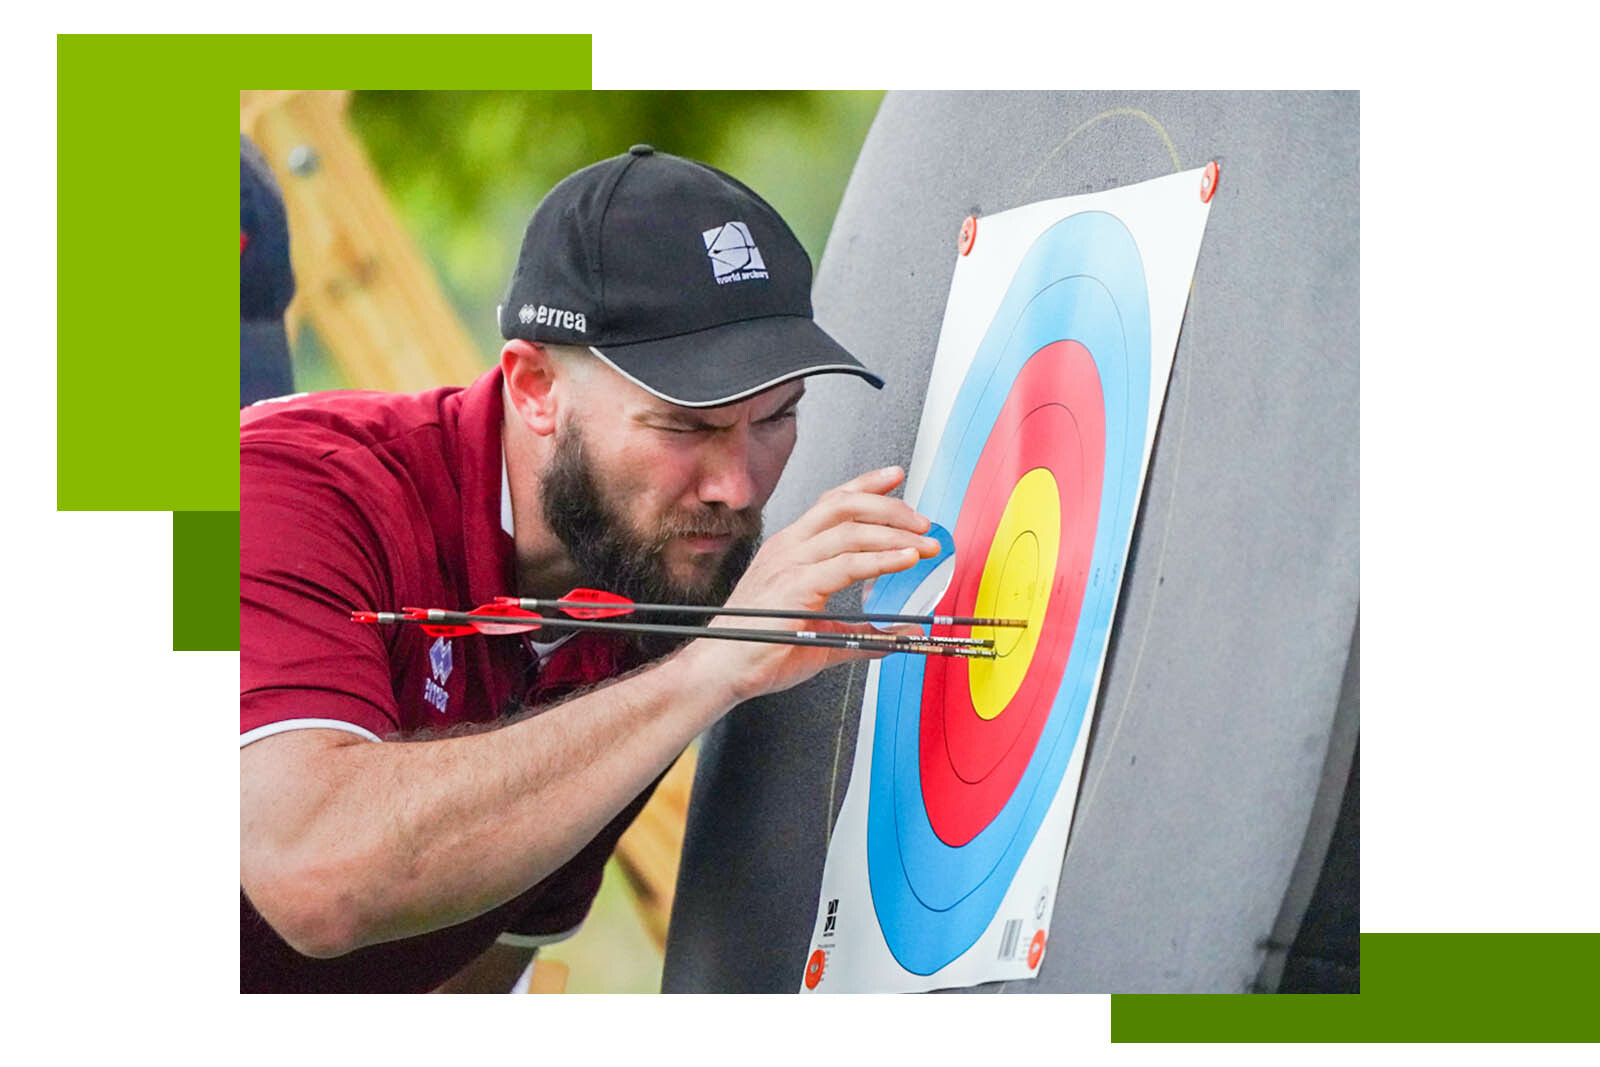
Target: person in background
{"points": [[266, 281]]}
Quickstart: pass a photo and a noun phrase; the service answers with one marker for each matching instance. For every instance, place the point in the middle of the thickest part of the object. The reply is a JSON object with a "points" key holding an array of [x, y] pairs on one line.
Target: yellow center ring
{"points": [[1016, 584]]}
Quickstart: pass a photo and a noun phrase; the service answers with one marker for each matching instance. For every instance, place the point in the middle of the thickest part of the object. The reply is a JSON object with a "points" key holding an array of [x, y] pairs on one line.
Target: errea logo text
{"points": [[532, 314]]}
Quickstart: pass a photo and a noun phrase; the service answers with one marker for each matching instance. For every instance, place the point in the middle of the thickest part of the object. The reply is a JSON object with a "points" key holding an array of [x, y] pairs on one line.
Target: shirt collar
{"points": [[508, 521], [486, 529]]}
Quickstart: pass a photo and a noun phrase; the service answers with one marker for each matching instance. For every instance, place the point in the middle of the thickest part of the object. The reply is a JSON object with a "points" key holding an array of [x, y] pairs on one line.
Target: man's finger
{"points": [[836, 507], [852, 567], [879, 481], [863, 537]]}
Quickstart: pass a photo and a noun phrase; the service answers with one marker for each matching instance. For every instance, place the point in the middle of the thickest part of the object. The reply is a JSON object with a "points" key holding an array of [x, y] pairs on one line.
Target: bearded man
{"points": [[421, 812]]}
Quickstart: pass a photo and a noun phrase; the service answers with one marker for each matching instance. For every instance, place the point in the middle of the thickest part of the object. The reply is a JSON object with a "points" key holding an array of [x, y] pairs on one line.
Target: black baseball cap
{"points": [[266, 281], [678, 276]]}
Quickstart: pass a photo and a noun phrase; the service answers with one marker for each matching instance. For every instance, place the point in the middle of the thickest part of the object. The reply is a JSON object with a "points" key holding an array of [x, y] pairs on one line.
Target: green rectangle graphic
{"points": [[205, 581], [1414, 987], [147, 264]]}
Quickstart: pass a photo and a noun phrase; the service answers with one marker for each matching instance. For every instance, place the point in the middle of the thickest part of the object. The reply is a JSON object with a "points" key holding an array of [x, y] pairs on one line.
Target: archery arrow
{"points": [[598, 604], [495, 620]]}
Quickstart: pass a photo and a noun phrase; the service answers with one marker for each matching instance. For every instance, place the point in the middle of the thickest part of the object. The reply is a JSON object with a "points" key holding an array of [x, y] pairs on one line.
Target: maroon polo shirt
{"points": [[376, 501]]}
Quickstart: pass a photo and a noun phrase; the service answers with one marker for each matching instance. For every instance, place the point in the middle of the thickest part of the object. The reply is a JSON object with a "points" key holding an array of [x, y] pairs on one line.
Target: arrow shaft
{"points": [[535, 604], [719, 633]]}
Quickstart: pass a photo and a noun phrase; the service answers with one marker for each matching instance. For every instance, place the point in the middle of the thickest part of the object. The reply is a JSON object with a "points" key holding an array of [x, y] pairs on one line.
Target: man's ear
{"points": [[530, 374]]}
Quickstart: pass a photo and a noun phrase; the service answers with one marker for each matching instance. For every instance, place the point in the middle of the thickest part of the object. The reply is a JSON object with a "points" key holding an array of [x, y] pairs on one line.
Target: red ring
{"points": [[979, 747], [970, 766]]}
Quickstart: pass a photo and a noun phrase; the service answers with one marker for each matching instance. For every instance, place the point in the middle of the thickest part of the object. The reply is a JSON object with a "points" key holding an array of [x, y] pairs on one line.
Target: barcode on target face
{"points": [[1008, 939]]}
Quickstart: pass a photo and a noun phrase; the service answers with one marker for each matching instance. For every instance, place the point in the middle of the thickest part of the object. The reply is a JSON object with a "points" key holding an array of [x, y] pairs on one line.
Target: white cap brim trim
{"points": [[803, 372]]}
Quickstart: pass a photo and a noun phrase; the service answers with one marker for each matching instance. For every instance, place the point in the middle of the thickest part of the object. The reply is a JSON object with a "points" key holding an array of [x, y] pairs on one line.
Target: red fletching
{"points": [[612, 604], [436, 629], [501, 611], [441, 630]]}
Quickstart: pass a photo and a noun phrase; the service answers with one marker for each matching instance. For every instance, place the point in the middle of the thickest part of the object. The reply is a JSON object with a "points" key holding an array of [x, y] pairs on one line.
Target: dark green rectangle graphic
{"points": [[1414, 987], [205, 581]]}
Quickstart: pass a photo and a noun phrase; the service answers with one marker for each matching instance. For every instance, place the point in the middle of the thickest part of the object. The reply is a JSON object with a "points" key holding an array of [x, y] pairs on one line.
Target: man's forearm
{"points": [[401, 839]]}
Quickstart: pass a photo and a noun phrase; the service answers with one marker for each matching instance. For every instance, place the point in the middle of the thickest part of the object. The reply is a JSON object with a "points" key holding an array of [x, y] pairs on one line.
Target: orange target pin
{"points": [[814, 968], [1208, 181], [969, 234]]}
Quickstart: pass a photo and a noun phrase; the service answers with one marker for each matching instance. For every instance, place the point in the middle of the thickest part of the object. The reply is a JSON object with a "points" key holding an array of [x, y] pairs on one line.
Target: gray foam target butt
{"points": [[1199, 828]]}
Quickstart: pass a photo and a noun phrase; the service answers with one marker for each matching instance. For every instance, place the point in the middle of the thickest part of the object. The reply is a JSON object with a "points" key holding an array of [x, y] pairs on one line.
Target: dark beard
{"points": [[612, 557]]}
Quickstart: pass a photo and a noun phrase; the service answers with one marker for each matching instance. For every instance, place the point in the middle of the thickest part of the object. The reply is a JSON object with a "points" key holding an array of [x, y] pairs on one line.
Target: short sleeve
{"points": [[310, 553]]}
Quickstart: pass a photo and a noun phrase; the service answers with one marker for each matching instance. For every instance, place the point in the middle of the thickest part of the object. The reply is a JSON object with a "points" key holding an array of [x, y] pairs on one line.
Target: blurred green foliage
{"points": [[466, 169], [612, 952]]}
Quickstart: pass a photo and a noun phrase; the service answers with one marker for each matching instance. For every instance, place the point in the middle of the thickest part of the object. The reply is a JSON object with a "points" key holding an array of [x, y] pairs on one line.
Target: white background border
{"points": [[1479, 380]]}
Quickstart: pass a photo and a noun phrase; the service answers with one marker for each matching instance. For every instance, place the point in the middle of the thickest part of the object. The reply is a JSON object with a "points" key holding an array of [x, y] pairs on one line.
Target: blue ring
{"points": [[1082, 280]]}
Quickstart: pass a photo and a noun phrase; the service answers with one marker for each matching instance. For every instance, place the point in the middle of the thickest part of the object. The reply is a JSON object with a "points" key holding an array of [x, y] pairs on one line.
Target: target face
{"points": [[1037, 475], [1040, 413]]}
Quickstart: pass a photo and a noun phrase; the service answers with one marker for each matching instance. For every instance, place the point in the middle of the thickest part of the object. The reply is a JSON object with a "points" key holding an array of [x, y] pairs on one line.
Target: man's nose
{"points": [[725, 474]]}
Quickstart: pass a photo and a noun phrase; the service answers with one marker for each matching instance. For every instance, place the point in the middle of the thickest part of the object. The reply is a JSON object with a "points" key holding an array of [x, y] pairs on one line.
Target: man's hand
{"points": [[852, 533]]}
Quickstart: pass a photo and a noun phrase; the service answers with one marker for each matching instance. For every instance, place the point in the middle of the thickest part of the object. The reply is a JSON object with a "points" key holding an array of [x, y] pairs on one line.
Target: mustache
{"points": [[715, 522]]}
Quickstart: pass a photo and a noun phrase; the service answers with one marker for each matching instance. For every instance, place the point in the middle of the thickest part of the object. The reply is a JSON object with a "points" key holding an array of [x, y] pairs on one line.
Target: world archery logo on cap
{"points": [[733, 252]]}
